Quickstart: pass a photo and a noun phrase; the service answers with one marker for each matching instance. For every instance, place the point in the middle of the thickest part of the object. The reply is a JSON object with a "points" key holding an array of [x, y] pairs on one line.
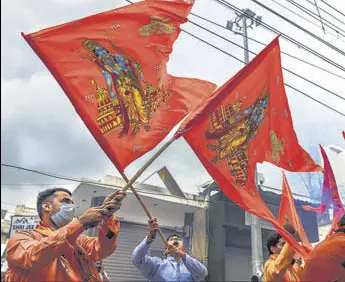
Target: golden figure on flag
{"points": [[233, 128], [157, 25], [133, 99]]}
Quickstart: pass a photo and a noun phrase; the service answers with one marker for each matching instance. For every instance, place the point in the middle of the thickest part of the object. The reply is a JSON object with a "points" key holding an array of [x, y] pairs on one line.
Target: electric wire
{"points": [[288, 70], [327, 23], [264, 44], [283, 35], [332, 7], [326, 43]]}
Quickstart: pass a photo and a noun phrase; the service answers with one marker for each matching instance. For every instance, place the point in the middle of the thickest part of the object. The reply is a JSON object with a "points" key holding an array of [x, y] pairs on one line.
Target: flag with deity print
{"points": [[112, 67], [248, 120]]}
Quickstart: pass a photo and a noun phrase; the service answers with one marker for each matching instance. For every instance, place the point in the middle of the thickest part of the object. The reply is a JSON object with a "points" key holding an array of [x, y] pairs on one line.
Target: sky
{"points": [[40, 129]]}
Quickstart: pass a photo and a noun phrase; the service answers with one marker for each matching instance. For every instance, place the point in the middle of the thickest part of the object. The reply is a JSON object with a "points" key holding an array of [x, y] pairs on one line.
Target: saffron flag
{"points": [[288, 212], [112, 67], [246, 121], [330, 194]]}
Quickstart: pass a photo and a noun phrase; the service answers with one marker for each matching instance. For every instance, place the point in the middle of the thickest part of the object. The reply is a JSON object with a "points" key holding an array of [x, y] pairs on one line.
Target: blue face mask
{"points": [[64, 215]]}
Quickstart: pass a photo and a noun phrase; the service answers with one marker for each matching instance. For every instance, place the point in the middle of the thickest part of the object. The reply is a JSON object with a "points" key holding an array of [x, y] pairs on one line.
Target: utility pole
{"points": [[244, 20]]}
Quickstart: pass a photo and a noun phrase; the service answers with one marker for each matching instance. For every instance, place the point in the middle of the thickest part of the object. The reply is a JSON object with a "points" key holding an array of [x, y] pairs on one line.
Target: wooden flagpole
{"points": [[136, 176], [147, 164], [143, 206]]}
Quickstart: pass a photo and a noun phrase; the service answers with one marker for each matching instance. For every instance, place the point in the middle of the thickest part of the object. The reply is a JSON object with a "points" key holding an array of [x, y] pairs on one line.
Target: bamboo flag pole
{"points": [[140, 172], [143, 206], [147, 164]]}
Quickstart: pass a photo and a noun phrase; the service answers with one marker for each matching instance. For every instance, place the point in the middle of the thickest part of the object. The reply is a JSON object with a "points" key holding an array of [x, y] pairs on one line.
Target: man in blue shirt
{"points": [[178, 266]]}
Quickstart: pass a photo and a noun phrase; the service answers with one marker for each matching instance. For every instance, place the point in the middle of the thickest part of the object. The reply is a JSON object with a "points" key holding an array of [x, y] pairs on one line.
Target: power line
{"points": [[293, 12], [264, 44], [326, 12], [292, 87], [332, 7], [301, 28], [290, 71], [234, 57], [285, 36], [143, 191], [322, 103], [335, 35], [318, 11], [315, 16]]}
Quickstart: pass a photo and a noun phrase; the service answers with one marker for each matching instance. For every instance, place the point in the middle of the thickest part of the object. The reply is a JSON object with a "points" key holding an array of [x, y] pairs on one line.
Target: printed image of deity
{"points": [[233, 128], [125, 85]]}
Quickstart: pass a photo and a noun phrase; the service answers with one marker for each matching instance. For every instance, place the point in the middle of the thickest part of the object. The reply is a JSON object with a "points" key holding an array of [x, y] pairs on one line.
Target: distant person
{"points": [[56, 249], [100, 268], [178, 265], [326, 262]]}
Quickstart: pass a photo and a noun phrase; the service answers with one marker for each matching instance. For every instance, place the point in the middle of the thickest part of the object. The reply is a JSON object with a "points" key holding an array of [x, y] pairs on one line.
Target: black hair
{"points": [[173, 235], [254, 278], [273, 241], [44, 195]]}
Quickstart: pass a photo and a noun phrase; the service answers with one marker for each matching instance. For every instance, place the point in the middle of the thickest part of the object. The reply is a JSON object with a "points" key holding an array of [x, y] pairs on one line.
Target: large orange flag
{"points": [[112, 67], [244, 122], [288, 211]]}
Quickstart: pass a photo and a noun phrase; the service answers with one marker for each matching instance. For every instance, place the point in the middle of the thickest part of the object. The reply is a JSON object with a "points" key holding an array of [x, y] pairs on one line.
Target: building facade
{"points": [[184, 216], [229, 242]]}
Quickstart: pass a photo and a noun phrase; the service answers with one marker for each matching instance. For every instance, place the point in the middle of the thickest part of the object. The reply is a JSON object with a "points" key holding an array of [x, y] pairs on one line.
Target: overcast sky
{"points": [[40, 129]]}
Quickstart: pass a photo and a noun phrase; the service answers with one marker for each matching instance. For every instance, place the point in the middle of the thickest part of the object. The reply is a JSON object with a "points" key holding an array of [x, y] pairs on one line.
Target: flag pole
{"points": [[134, 191], [140, 172], [147, 164]]}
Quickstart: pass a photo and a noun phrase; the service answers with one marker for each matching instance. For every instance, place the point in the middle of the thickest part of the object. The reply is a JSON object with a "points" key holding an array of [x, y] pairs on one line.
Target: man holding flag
{"points": [[178, 266], [281, 265], [56, 250]]}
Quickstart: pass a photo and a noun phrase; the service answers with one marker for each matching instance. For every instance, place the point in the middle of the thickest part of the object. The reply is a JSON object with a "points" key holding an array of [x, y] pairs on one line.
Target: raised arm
{"points": [[105, 244], [275, 269]]}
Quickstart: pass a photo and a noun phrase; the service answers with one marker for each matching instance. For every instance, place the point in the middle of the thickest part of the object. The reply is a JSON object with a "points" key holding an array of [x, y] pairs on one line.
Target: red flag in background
{"points": [[330, 194], [244, 122], [344, 134], [112, 67], [288, 212]]}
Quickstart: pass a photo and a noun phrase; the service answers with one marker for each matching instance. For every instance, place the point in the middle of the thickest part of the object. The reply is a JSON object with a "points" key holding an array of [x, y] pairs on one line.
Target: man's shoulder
{"points": [[24, 233]]}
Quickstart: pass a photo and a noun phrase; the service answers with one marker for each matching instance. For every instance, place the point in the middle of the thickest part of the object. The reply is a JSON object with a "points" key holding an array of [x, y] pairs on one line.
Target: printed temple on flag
{"points": [[248, 120], [112, 67]]}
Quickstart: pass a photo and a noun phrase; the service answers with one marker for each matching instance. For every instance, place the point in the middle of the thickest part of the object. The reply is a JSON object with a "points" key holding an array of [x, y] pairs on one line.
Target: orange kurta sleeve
{"points": [[274, 269], [105, 244], [25, 250]]}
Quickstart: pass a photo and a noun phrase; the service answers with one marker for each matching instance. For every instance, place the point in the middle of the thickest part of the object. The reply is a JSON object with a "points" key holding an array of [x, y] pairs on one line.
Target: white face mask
{"points": [[64, 215]]}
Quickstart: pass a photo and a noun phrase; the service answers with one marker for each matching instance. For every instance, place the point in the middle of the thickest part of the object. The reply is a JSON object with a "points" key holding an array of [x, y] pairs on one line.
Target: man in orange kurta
{"points": [[280, 266], [56, 250], [326, 262]]}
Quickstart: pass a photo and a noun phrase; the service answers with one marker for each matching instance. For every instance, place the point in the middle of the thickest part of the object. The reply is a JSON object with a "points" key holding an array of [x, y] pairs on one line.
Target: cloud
{"points": [[41, 130]]}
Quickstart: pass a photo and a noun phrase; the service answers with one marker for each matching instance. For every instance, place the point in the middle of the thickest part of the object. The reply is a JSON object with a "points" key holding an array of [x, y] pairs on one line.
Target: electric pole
{"points": [[244, 20]]}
